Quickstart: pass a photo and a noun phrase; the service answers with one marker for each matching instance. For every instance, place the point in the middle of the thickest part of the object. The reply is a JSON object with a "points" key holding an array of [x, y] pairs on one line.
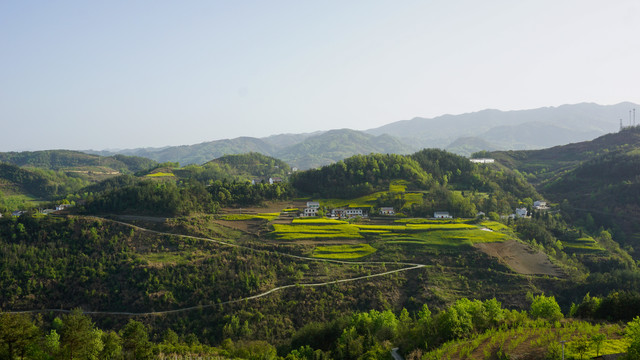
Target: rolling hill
{"points": [[600, 179], [513, 130], [303, 151]]}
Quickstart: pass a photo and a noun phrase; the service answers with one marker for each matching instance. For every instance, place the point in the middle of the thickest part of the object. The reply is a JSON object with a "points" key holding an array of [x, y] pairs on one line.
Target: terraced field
{"points": [[434, 235]]}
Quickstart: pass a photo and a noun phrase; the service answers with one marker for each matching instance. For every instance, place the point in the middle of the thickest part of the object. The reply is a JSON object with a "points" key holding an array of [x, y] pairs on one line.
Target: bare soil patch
{"points": [[248, 226], [269, 207], [520, 258]]}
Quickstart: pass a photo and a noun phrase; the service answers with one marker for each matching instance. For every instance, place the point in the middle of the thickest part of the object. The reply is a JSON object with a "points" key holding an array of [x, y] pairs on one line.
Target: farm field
{"points": [[343, 252], [533, 340], [398, 187], [583, 245], [243, 217], [432, 236]]}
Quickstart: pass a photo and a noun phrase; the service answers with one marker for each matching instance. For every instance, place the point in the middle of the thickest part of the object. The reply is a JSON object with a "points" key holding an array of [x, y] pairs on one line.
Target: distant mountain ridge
{"points": [[462, 134], [514, 130], [299, 150]]}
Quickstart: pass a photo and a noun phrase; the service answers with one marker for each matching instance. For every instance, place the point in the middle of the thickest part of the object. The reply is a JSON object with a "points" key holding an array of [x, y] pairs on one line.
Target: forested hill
{"points": [[360, 175], [545, 163], [336, 145], [64, 159], [254, 164], [447, 181], [304, 151], [599, 179]]}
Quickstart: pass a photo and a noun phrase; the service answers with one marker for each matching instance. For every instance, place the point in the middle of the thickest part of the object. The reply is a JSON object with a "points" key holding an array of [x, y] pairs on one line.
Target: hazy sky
{"points": [[124, 74]]}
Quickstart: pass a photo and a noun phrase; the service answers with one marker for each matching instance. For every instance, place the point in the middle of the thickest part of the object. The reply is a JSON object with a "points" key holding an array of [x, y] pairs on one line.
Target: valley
{"points": [[243, 255]]}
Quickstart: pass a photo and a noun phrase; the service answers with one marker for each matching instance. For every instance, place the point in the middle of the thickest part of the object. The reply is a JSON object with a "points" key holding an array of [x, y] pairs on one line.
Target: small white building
{"points": [[353, 212], [442, 215], [540, 205], [387, 211], [311, 209], [480, 214], [62, 207], [521, 212], [347, 213], [482, 161], [273, 180]]}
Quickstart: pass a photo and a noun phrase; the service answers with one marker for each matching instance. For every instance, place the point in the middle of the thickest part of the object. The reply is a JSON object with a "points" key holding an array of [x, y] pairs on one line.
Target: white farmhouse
{"points": [[540, 205], [482, 161], [311, 209], [442, 215], [387, 211], [521, 212]]}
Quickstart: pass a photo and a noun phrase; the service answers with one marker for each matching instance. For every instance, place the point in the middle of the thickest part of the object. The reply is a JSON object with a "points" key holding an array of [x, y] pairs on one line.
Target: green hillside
{"points": [[205, 258], [335, 145], [255, 165], [66, 159], [598, 179]]}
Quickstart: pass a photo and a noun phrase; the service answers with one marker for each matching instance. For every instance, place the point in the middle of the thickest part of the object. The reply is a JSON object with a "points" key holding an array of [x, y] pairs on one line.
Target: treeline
{"points": [[130, 195], [154, 198], [75, 336], [255, 164], [617, 306], [362, 335], [46, 184], [227, 193], [60, 159]]}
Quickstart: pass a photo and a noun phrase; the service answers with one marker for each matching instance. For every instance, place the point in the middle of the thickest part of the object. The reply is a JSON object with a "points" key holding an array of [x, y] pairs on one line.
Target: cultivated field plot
{"points": [[343, 252], [397, 187], [432, 234], [583, 245], [244, 217]]}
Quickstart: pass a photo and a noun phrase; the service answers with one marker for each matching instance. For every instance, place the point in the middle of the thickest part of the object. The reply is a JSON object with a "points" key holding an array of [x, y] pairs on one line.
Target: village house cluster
{"points": [[60, 207]]}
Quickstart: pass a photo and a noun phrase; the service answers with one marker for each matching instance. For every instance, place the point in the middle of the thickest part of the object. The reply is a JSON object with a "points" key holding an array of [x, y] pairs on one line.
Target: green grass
{"points": [[160, 174], [166, 257], [296, 232], [431, 221], [494, 225], [343, 251], [244, 217], [398, 186], [317, 221], [436, 234], [587, 244], [412, 198]]}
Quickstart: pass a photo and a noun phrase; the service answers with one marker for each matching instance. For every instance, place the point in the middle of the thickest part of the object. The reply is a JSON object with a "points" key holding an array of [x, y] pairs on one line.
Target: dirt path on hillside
{"points": [[520, 258]]}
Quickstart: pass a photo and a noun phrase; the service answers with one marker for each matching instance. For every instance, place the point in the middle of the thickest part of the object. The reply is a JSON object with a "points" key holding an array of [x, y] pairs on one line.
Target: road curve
{"points": [[411, 266]]}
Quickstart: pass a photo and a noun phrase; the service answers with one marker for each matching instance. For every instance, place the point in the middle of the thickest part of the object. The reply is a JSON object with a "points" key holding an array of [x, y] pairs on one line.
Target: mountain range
{"points": [[462, 134]]}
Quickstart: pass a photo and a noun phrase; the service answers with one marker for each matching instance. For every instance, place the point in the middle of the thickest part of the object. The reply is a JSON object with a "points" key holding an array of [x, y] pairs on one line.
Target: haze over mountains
{"points": [[462, 134]]}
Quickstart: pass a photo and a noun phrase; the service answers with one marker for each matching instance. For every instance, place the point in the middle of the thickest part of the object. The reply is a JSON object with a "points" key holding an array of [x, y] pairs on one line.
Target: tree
{"points": [[581, 346], [546, 308], [632, 332], [135, 341], [17, 331], [112, 346], [79, 337], [597, 341]]}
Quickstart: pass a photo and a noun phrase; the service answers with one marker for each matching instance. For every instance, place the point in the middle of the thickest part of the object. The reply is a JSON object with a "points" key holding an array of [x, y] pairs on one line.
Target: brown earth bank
{"points": [[520, 258]]}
